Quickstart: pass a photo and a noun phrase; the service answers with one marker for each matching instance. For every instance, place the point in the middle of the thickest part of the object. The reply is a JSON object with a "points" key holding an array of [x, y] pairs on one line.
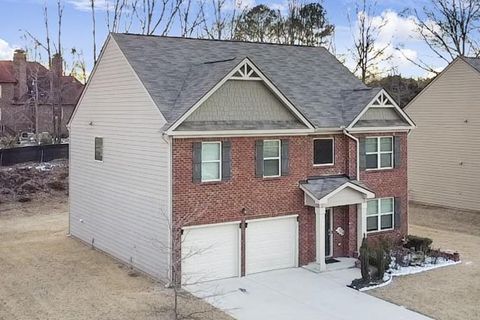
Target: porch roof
{"points": [[321, 189]]}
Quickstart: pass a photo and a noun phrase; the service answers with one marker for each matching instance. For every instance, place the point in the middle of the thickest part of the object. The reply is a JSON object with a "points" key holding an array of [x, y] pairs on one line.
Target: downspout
{"points": [[357, 142]]}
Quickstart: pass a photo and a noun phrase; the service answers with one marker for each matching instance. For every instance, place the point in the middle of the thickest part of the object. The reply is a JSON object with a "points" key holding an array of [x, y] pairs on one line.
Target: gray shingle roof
{"points": [[177, 72], [474, 62], [322, 186]]}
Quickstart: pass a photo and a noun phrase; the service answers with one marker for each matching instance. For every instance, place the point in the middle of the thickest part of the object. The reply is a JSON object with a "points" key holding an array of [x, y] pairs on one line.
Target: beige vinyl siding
{"points": [[122, 203], [444, 149]]}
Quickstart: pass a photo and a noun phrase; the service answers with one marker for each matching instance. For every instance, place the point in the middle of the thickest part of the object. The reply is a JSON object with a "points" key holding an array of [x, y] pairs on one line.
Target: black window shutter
{"points": [[226, 160], [259, 158], [197, 161], [363, 156], [396, 152], [284, 157], [398, 213]]}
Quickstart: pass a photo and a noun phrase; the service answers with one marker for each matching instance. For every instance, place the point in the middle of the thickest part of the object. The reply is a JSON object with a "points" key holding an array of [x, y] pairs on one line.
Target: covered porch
{"points": [[325, 194]]}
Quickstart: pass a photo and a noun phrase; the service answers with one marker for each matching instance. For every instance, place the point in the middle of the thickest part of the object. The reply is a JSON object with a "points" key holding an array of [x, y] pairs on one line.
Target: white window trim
{"points": [[95, 148], [333, 153], [379, 153], [279, 158], [212, 161], [379, 215]]}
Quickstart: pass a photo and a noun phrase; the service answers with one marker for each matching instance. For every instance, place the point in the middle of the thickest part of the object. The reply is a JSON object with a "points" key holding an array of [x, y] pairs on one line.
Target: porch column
{"points": [[320, 237], [361, 223]]}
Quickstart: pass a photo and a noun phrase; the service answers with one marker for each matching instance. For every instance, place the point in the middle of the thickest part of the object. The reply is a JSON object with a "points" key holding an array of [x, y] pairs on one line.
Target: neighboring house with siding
{"points": [[444, 150], [221, 155]]}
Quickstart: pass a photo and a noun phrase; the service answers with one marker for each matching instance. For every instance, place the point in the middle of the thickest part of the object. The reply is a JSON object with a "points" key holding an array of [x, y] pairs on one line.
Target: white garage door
{"points": [[271, 244], [210, 252]]}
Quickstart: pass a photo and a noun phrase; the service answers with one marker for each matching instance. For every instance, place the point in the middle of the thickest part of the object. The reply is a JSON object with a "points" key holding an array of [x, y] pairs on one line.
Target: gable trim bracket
{"points": [[382, 97], [233, 74]]}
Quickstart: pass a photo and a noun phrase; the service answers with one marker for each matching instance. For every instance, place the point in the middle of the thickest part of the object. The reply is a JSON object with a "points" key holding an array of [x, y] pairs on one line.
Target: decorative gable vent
{"points": [[382, 101], [245, 72]]}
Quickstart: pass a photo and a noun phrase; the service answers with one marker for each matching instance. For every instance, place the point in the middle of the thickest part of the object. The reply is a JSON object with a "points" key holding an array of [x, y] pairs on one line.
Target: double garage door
{"points": [[213, 252]]}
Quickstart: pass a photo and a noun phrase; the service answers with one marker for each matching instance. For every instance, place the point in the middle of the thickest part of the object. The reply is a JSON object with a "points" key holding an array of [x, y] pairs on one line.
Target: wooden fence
{"points": [[43, 153]]}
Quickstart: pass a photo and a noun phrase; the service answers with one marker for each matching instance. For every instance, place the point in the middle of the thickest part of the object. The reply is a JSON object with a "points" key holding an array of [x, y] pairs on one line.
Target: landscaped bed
{"points": [[382, 262]]}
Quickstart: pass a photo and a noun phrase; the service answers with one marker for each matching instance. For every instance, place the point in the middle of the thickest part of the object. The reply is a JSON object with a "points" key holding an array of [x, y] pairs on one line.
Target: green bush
{"points": [[419, 243], [381, 260], [364, 260]]}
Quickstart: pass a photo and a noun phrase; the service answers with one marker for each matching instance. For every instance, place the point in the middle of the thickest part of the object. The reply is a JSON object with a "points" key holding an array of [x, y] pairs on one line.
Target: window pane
{"points": [[210, 151], [385, 160], [372, 223], [323, 151], [372, 207], [386, 205], [386, 144], [98, 149], [271, 168], [271, 149], [386, 221], [210, 171], [371, 145], [371, 161]]}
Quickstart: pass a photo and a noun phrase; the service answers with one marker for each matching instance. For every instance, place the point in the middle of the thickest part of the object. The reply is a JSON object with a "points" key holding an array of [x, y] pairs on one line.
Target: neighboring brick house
{"points": [[27, 84], [225, 158]]}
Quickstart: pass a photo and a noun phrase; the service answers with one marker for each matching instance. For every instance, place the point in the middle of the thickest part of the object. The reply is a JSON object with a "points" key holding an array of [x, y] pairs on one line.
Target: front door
{"points": [[328, 232]]}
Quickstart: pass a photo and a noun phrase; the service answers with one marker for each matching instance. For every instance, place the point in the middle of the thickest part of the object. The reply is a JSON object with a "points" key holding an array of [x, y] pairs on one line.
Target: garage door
{"points": [[210, 252], [271, 244]]}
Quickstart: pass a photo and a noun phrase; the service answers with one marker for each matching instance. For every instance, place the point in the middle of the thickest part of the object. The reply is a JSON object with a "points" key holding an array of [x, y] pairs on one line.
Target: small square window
{"points": [[379, 153], [98, 149], [323, 151], [380, 214]]}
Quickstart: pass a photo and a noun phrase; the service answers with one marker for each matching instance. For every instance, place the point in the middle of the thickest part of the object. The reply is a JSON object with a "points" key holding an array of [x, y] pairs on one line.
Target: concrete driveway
{"points": [[298, 294]]}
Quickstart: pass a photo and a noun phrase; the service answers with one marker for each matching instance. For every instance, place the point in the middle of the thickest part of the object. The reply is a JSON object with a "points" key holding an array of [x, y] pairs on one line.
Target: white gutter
{"points": [[357, 142]]}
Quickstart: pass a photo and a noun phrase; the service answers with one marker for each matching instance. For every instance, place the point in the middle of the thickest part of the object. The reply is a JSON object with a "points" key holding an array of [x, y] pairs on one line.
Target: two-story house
{"points": [[34, 98], [225, 158]]}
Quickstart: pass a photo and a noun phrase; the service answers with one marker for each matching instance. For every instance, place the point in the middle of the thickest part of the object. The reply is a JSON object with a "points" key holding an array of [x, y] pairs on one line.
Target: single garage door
{"points": [[210, 252], [271, 244]]}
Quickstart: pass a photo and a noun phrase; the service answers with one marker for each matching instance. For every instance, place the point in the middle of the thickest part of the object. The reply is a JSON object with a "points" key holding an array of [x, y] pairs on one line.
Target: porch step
{"points": [[344, 263]]}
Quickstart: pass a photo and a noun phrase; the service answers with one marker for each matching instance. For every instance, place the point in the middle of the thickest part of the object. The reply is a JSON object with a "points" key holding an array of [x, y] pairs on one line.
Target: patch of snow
{"points": [[383, 284], [46, 166], [403, 271]]}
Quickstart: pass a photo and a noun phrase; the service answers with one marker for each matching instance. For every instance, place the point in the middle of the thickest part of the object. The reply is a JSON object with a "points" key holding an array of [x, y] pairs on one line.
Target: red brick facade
{"points": [[205, 203]]}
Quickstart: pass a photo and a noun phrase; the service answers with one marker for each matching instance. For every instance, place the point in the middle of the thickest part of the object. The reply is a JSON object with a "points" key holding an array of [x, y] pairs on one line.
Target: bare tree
{"points": [[221, 23], [114, 14], [94, 31], [367, 52], [153, 15], [191, 17], [450, 28]]}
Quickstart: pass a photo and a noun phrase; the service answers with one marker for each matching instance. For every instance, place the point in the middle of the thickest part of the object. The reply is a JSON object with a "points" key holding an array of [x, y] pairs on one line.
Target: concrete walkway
{"points": [[298, 294]]}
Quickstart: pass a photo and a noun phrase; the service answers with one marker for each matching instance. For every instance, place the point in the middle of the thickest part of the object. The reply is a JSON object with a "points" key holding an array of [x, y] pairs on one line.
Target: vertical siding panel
{"points": [[123, 202]]}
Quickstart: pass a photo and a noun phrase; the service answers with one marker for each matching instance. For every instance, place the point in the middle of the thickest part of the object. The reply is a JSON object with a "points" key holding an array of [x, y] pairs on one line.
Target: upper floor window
{"points": [[272, 158], [323, 151], [380, 214], [98, 148], [211, 161], [379, 153]]}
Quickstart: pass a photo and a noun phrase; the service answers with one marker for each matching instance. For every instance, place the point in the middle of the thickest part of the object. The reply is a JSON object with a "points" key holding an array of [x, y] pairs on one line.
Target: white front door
{"points": [[210, 252], [271, 244]]}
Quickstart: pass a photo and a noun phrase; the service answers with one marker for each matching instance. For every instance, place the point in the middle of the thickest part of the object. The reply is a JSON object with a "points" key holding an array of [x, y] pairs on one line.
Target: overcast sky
{"points": [[19, 15]]}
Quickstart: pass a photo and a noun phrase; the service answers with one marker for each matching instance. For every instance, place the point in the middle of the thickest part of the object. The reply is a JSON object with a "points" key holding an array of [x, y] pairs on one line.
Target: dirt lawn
{"points": [[46, 275], [450, 292]]}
